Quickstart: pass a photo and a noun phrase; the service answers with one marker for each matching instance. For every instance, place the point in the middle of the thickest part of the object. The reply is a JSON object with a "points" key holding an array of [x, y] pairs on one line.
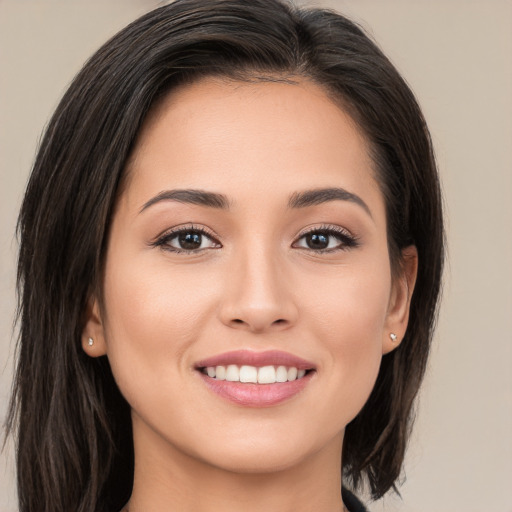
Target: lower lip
{"points": [[256, 395]]}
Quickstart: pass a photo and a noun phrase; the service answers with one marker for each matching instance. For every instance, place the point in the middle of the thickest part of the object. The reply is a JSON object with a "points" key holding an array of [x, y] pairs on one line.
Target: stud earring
{"points": [[90, 342], [392, 336]]}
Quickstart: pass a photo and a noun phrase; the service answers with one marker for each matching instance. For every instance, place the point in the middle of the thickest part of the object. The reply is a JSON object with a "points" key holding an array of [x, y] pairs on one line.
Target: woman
{"points": [[226, 221]]}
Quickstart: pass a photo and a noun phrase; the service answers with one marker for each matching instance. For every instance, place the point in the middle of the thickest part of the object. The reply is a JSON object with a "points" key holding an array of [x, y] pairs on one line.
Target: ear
{"points": [[93, 334], [400, 300]]}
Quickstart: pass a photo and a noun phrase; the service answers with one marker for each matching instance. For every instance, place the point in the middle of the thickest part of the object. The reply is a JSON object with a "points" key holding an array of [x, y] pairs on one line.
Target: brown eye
{"points": [[326, 240], [317, 240], [187, 240]]}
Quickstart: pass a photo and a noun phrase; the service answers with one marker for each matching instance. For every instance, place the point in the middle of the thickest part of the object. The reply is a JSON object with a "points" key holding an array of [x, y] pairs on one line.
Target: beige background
{"points": [[456, 54]]}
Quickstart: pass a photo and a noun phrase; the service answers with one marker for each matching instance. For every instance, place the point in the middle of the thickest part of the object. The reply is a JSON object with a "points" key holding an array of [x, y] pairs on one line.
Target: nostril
{"points": [[258, 322]]}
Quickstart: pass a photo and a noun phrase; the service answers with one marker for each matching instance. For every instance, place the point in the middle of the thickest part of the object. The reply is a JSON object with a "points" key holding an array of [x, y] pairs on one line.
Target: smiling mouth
{"points": [[270, 374], [250, 378]]}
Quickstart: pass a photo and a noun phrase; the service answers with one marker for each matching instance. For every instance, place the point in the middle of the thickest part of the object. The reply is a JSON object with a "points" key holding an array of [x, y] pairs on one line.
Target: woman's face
{"points": [[249, 243]]}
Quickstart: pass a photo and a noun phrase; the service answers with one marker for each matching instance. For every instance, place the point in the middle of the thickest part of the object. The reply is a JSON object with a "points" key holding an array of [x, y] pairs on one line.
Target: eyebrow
{"points": [[190, 196], [323, 195], [220, 201]]}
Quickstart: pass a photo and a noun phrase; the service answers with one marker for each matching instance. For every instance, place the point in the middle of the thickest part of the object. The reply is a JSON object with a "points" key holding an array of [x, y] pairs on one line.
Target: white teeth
{"points": [[248, 374], [220, 373], [267, 375], [233, 373], [292, 373], [253, 374], [281, 374]]}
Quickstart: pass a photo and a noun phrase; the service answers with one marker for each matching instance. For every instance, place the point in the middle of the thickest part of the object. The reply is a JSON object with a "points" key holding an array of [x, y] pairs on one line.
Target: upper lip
{"points": [[258, 359]]}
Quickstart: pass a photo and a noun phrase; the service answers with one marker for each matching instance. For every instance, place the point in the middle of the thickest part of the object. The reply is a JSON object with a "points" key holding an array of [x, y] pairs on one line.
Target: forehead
{"points": [[220, 134]]}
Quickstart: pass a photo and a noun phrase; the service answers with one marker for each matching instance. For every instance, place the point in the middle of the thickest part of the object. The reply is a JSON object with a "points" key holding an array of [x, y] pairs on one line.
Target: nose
{"points": [[258, 294]]}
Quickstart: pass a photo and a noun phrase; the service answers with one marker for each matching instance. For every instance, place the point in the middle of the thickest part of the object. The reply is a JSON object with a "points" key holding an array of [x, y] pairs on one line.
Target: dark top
{"points": [[351, 502]]}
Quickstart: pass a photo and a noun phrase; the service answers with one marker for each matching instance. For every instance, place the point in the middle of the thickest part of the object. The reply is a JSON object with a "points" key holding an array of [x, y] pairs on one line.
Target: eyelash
{"points": [[164, 240], [347, 240]]}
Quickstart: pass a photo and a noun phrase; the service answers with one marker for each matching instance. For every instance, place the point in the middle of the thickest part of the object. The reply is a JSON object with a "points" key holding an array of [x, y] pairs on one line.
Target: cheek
{"points": [[350, 304], [153, 316], [145, 298], [348, 317]]}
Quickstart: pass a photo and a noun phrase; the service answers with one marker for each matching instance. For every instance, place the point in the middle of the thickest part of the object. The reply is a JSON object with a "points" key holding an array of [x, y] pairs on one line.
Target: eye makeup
{"points": [[190, 239], [186, 239], [326, 238]]}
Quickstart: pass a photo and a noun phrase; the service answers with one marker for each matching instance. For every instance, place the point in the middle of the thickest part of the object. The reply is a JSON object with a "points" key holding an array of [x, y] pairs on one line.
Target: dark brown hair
{"points": [[74, 445]]}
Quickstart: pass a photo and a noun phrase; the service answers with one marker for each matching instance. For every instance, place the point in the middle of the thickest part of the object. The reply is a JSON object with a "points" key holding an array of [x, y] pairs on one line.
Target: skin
{"points": [[254, 285]]}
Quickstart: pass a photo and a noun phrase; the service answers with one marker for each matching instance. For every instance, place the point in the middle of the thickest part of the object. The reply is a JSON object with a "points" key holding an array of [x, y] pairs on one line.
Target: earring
{"points": [[90, 342], [392, 336]]}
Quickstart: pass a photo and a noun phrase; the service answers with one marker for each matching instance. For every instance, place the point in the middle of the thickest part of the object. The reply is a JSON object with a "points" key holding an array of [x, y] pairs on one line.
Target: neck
{"points": [[167, 480]]}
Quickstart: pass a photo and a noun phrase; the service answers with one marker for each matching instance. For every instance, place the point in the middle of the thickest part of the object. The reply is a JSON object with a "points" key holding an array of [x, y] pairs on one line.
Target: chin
{"points": [[257, 454], [271, 460]]}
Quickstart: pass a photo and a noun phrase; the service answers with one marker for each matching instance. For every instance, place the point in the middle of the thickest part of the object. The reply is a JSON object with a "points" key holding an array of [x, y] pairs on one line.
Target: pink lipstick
{"points": [[252, 358], [256, 379]]}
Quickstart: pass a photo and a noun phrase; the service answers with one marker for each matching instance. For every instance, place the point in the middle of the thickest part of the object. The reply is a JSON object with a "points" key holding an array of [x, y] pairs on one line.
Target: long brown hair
{"points": [[74, 444]]}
